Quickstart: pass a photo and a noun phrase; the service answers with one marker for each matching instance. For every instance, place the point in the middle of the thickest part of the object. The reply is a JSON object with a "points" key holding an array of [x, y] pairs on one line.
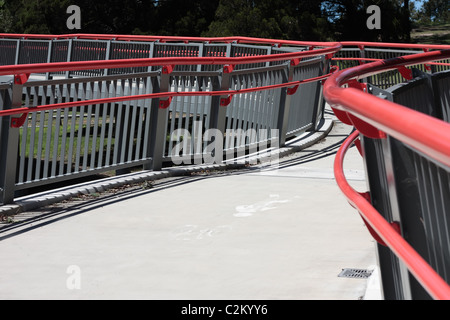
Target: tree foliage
{"points": [[282, 19], [435, 11]]}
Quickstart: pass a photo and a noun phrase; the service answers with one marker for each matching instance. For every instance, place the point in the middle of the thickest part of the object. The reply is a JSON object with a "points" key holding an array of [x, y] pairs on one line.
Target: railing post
{"points": [[49, 57], [158, 116], [18, 46], [219, 104], [107, 56], [285, 104], [362, 55], [319, 104], [10, 141], [69, 56]]}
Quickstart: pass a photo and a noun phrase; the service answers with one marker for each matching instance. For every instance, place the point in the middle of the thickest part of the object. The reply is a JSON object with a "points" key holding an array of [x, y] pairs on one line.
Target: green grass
{"points": [[62, 136], [431, 34]]}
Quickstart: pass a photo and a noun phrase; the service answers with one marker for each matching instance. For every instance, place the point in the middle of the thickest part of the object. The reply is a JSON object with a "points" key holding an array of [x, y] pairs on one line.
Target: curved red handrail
{"points": [[55, 106], [426, 134], [127, 63], [394, 45], [119, 37], [428, 277], [422, 132]]}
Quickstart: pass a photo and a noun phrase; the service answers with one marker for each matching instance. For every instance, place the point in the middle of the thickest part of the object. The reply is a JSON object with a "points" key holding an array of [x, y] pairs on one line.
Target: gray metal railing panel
{"points": [[301, 116], [8, 51], [188, 116], [34, 51], [164, 50], [389, 78], [415, 188], [64, 144], [58, 143], [239, 50], [248, 113], [129, 50], [88, 50], [220, 50], [381, 189], [433, 184], [392, 77], [441, 85]]}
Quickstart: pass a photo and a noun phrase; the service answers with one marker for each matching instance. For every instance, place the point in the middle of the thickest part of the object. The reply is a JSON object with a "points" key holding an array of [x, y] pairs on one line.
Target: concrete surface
{"points": [[282, 233]]}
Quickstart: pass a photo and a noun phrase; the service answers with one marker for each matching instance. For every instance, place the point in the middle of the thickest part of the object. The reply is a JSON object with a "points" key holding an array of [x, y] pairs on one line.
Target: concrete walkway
{"points": [[260, 233]]}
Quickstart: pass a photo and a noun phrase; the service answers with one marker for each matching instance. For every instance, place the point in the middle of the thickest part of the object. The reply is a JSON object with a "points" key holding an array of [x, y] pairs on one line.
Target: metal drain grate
{"points": [[355, 273]]}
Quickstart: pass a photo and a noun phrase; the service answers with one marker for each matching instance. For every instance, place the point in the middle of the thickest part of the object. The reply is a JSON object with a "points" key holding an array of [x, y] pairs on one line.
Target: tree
{"points": [[50, 16], [281, 19], [349, 19], [184, 18], [42, 17], [436, 11], [5, 18]]}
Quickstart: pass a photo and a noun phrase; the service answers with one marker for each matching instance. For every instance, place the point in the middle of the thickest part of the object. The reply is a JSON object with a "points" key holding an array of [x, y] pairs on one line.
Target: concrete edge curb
{"points": [[39, 200], [373, 289]]}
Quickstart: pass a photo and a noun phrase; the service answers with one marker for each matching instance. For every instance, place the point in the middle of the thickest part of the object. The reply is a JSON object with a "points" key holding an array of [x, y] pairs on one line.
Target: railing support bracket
{"points": [[21, 78], [18, 122], [224, 102], [164, 104], [405, 72], [292, 91], [168, 69]]}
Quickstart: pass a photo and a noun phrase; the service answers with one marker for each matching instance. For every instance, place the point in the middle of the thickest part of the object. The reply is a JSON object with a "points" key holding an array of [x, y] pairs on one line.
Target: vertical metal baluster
{"points": [[173, 110], [82, 95], [89, 87], [24, 140], [141, 107], [72, 141], [30, 170], [40, 145], [126, 133], [105, 123], [65, 97], [110, 147], [98, 94], [48, 141], [147, 108], [118, 122], [57, 131], [134, 106]]}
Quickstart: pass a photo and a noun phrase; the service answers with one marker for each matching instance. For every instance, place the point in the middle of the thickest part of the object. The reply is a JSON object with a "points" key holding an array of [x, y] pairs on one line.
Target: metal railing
{"points": [[407, 157], [109, 102], [357, 53], [96, 105]]}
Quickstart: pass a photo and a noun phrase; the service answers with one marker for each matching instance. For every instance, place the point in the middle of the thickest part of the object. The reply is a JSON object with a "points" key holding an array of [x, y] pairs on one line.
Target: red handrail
{"points": [[422, 132], [18, 111], [127, 63], [394, 45], [249, 40], [118, 37], [428, 277]]}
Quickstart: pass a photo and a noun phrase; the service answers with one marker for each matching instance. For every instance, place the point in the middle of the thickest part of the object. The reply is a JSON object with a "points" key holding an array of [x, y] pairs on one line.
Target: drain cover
{"points": [[355, 273]]}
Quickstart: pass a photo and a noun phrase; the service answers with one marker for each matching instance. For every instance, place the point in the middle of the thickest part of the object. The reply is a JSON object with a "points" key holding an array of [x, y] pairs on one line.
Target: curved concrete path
{"points": [[261, 233]]}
